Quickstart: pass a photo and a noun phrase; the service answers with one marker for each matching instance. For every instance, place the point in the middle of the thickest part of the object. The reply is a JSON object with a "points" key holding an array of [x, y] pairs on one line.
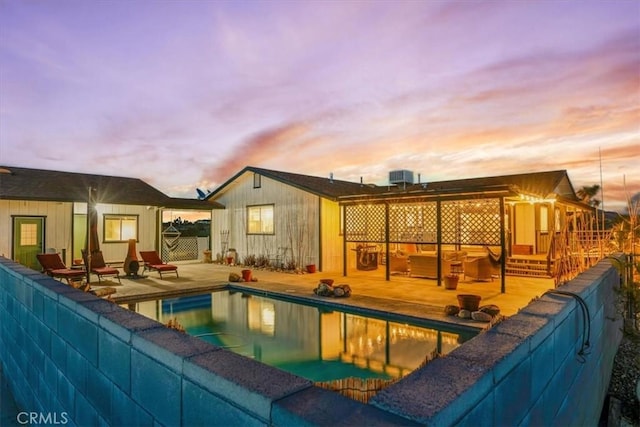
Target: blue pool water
{"points": [[315, 342]]}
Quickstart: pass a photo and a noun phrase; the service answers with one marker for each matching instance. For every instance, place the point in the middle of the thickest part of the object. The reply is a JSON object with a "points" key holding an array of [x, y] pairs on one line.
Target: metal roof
{"points": [[18, 183]]}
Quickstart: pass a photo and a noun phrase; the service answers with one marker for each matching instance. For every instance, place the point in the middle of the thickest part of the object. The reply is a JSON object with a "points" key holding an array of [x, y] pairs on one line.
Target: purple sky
{"points": [[184, 94]]}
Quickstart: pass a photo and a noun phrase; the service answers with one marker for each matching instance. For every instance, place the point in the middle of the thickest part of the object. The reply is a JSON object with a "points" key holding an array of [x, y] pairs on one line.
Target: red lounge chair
{"points": [[98, 266], [153, 262], [53, 265]]}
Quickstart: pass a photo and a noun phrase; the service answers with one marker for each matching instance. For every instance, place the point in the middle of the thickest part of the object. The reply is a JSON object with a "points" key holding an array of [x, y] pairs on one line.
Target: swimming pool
{"points": [[316, 342]]}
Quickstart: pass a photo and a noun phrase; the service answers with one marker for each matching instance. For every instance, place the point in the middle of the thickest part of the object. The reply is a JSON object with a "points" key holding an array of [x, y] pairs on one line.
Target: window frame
{"points": [[257, 180], [273, 220], [111, 216]]}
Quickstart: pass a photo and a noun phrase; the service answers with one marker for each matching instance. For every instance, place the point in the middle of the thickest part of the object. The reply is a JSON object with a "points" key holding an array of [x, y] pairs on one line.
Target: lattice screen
{"points": [[466, 222], [365, 223], [413, 222], [469, 222]]}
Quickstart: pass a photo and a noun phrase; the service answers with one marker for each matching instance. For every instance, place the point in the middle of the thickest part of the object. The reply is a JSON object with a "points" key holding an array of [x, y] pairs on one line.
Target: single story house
{"points": [[47, 211], [334, 225]]}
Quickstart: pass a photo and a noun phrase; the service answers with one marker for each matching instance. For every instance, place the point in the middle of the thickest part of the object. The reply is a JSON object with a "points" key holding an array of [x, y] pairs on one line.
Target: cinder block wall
{"points": [[531, 369], [67, 352], [89, 362]]}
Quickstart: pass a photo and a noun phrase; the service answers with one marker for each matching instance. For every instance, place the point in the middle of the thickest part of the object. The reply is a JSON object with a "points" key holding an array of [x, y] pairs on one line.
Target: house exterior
{"points": [[284, 217], [341, 226], [45, 210]]}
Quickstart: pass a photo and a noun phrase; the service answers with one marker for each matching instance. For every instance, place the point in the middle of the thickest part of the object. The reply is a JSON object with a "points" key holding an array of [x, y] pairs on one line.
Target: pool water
{"points": [[314, 342]]}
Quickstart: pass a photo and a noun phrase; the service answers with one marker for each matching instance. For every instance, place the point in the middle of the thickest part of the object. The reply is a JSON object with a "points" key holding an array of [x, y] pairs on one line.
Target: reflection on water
{"points": [[312, 342]]}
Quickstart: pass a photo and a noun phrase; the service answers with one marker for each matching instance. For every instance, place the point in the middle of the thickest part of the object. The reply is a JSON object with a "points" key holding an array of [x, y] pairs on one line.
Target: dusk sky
{"points": [[184, 94]]}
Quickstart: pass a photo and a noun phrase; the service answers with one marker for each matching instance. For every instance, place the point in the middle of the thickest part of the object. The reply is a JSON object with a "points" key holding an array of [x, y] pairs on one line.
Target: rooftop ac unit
{"points": [[401, 177]]}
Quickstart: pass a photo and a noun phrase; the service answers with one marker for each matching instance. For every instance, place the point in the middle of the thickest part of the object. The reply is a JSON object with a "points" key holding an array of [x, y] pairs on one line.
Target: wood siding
{"points": [[59, 226], [296, 220]]}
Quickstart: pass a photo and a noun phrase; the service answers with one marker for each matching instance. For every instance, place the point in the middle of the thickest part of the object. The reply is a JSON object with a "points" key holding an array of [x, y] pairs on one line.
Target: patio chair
{"points": [[99, 267], [152, 261], [53, 266]]}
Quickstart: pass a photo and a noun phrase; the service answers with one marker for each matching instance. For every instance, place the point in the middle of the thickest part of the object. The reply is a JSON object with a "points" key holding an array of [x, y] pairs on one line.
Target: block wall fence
{"points": [[85, 361]]}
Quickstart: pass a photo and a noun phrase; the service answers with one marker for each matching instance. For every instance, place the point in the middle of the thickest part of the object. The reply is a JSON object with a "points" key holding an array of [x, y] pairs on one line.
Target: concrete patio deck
{"points": [[402, 295]]}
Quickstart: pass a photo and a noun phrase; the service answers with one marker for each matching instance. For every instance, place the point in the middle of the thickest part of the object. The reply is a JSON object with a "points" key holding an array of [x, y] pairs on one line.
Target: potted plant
{"points": [[451, 281]]}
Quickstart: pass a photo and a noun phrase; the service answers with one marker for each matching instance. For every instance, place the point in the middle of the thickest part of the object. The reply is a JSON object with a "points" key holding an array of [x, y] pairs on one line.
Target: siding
{"points": [[296, 224], [59, 229]]}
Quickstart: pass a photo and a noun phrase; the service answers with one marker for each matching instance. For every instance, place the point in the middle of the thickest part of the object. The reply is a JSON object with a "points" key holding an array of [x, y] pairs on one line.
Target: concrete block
{"points": [[79, 333], [126, 412], [542, 365], [203, 408], [153, 385], [52, 288], [251, 384], [547, 307], [85, 414], [566, 336], [74, 301], [77, 370], [66, 393], [169, 346], [482, 414], [514, 395], [59, 352], [495, 351], [439, 393], [308, 407], [42, 337], [122, 323], [99, 389], [50, 373], [51, 313], [526, 326], [114, 359]]}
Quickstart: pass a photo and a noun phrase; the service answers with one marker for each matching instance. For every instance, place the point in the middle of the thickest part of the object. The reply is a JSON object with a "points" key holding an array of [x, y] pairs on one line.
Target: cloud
{"points": [[257, 150]]}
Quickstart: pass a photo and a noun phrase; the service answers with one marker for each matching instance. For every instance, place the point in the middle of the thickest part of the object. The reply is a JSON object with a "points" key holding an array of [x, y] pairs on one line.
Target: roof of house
{"points": [[323, 187], [46, 185], [545, 184]]}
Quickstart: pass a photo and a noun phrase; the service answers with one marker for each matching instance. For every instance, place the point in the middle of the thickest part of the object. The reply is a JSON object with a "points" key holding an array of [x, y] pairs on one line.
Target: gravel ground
{"points": [[625, 376]]}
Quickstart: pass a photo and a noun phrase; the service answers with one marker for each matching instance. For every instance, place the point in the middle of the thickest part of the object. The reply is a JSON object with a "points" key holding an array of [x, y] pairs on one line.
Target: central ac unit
{"points": [[401, 177]]}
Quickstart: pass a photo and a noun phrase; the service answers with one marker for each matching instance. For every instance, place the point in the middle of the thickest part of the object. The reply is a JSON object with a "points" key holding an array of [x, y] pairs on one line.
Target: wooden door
{"points": [[28, 240]]}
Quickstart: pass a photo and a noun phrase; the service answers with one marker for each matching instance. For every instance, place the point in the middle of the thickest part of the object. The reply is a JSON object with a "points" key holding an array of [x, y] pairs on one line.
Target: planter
{"points": [[311, 268], [229, 260], [246, 275], [451, 282], [469, 302]]}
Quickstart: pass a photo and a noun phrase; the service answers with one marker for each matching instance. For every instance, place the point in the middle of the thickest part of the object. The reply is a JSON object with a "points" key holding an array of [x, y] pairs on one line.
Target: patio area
{"points": [[403, 295]]}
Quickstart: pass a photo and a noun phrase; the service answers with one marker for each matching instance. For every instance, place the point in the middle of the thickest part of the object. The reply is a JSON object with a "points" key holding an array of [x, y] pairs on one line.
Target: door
{"points": [[28, 240]]}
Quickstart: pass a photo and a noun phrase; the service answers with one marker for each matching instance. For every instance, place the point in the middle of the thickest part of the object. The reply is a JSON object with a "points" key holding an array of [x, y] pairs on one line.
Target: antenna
{"points": [[601, 188]]}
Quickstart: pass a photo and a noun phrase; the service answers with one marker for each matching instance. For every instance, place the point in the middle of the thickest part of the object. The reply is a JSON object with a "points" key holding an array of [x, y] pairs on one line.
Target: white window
{"points": [[260, 219], [120, 228]]}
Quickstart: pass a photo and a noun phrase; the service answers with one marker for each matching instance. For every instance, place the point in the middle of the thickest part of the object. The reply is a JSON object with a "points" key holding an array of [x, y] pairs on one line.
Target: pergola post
{"points": [[439, 240], [503, 258]]}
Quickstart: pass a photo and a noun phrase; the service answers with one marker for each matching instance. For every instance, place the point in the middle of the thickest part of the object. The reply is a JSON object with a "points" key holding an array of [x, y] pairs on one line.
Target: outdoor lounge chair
{"points": [[152, 261], [53, 266], [98, 266]]}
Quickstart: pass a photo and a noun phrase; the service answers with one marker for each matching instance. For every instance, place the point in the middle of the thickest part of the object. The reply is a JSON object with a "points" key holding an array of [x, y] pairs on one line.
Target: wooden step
{"points": [[527, 267]]}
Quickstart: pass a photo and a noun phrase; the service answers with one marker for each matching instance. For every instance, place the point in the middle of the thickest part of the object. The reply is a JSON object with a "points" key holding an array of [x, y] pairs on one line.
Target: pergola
{"points": [[456, 217]]}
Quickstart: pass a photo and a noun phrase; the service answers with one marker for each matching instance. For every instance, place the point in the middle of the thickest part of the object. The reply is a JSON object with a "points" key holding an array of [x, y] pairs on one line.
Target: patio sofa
{"points": [[398, 263], [482, 268], [426, 265]]}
